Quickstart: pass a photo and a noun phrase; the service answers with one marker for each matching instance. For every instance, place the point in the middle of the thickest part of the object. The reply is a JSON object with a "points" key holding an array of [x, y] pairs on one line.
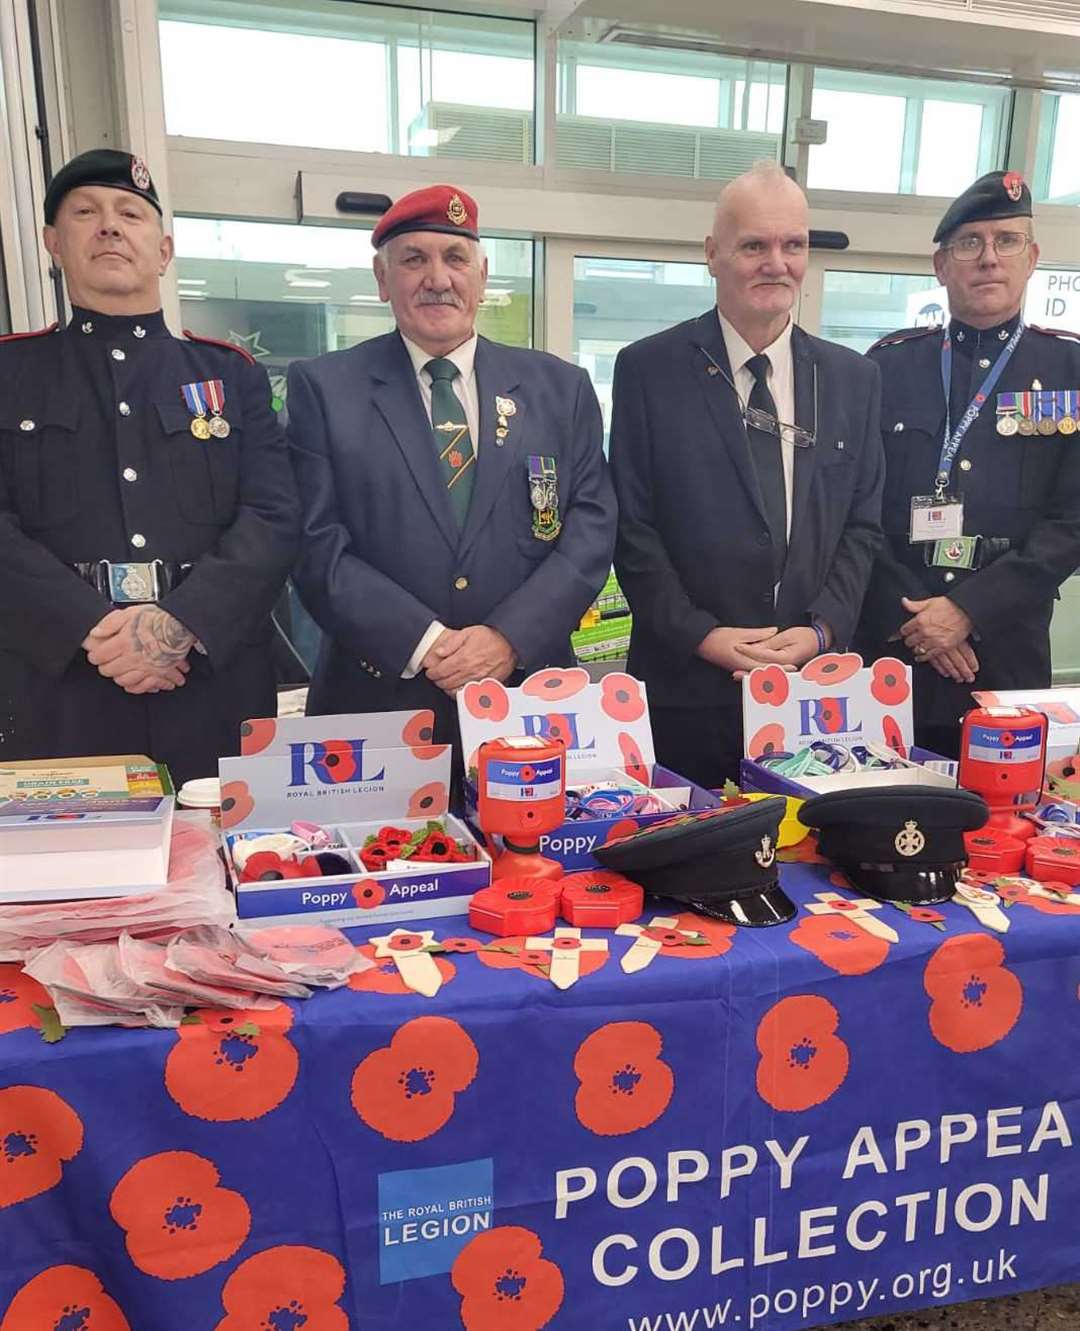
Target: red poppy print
{"points": [[620, 828], [557, 726], [487, 700], [634, 764], [20, 995], [713, 937], [177, 1220], [39, 1133], [339, 760], [1052, 905], [621, 697], [843, 947], [830, 715], [406, 1091], [236, 803], [769, 684], [285, 1289], [893, 735], [64, 1298], [505, 1283], [418, 734], [257, 735], [232, 1065], [832, 667], [368, 894], [889, 682], [624, 1083], [975, 999], [768, 739], [383, 976], [555, 683], [803, 1061], [428, 801]]}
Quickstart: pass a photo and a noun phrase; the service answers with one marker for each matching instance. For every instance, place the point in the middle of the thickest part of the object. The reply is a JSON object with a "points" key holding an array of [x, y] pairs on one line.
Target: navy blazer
{"points": [[381, 554], [694, 550]]}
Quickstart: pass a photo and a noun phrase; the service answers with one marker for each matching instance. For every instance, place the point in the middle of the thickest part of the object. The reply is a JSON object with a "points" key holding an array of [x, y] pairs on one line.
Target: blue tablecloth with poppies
{"points": [[771, 1129]]}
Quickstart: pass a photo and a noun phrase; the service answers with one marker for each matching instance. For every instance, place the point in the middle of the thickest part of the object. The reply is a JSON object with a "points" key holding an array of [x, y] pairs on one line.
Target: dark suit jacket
{"points": [[693, 549], [381, 554]]}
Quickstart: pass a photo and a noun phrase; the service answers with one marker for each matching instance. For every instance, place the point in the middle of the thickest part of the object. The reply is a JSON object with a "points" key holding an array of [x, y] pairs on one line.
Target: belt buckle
{"points": [[131, 584]]}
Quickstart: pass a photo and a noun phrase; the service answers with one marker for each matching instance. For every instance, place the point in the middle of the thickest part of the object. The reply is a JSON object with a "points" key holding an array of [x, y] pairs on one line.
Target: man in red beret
{"points": [[458, 514]]}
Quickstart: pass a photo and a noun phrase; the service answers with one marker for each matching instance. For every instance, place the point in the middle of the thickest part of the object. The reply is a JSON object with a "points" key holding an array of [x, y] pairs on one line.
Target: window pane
{"points": [[360, 77], [623, 94], [1057, 177], [948, 147], [865, 142], [858, 308]]}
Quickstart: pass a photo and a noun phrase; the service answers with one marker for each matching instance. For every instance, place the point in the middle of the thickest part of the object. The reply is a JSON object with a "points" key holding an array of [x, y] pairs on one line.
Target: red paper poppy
{"points": [[19, 995], [418, 733], [177, 1221], [622, 827], [504, 1282], [289, 1287], [236, 803], [768, 739], [64, 1298], [556, 683], [406, 1091], [429, 801], [534, 956], [634, 764], [487, 700], [803, 1060], [464, 945], [843, 947], [892, 735], [976, 1001], [512, 954], [257, 735], [39, 1133], [383, 976], [228, 1066], [368, 894], [832, 667], [769, 684], [925, 915], [625, 1085], [621, 697], [1007, 891], [717, 937], [889, 682]]}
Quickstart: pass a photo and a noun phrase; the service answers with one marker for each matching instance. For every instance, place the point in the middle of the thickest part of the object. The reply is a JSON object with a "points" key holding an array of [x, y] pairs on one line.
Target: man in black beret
{"points": [[982, 494], [148, 515]]}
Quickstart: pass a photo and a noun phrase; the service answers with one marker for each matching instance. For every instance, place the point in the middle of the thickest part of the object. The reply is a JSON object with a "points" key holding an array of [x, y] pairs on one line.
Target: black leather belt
{"points": [[987, 549], [133, 584]]}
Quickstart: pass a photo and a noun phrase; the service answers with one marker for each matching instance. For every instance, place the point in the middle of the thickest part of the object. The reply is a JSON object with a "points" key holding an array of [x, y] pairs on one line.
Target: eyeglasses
{"points": [[1007, 245], [756, 419]]}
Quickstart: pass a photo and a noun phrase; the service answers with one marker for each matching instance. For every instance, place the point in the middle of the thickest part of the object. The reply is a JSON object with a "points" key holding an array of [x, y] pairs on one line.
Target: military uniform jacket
{"points": [[97, 461], [382, 556], [1023, 490]]}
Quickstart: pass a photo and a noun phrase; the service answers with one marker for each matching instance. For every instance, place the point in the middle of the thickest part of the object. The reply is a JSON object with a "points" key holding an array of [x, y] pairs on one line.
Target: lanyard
{"points": [[951, 445]]}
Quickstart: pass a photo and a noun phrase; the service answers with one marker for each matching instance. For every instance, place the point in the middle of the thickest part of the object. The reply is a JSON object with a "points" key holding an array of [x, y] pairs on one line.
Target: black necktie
{"points": [[768, 463]]}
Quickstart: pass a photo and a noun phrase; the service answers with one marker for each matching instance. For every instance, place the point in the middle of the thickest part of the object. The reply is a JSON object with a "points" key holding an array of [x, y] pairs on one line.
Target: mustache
{"points": [[438, 298]]}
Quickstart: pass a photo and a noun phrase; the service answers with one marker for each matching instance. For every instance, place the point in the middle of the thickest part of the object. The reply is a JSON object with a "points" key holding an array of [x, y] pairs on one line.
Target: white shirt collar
{"points": [[463, 356], [739, 350]]}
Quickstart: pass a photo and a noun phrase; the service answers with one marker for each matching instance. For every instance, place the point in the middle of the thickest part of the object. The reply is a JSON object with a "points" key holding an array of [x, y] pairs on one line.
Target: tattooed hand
{"points": [[142, 648]]}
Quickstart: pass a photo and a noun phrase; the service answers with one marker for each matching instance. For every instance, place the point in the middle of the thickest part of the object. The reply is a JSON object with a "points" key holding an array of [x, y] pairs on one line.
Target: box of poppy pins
{"points": [[354, 778], [609, 745], [835, 700]]}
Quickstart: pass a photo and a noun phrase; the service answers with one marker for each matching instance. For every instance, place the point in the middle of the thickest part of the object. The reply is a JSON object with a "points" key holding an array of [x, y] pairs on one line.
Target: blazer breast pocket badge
{"points": [[544, 497]]}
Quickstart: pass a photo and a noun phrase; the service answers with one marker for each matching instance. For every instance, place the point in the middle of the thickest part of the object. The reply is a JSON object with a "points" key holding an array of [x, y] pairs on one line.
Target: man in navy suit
{"points": [[747, 462], [458, 514]]}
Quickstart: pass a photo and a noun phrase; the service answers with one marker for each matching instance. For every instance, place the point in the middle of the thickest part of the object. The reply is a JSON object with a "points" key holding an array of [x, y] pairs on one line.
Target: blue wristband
{"points": [[822, 646]]}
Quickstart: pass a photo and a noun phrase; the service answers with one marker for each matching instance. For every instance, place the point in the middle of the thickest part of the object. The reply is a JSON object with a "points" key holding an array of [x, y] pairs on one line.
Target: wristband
{"points": [[819, 633]]}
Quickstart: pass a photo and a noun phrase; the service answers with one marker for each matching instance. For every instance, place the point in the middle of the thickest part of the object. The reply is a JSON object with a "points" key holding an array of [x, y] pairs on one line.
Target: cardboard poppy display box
{"points": [[608, 739], [350, 775], [835, 699]]}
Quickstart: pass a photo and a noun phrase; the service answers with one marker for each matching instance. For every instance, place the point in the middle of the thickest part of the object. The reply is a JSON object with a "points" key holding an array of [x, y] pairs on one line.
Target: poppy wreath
{"points": [[832, 667], [975, 999], [624, 1083], [556, 683], [236, 803], [843, 947], [888, 682], [176, 1219], [23, 1002], [55, 1297], [383, 977], [803, 1061], [232, 1065], [769, 684], [288, 1287], [407, 1090], [621, 697], [486, 699], [257, 735], [505, 1282], [39, 1134]]}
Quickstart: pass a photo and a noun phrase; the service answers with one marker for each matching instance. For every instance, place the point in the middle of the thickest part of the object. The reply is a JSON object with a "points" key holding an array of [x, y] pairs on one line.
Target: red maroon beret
{"points": [[437, 208]]}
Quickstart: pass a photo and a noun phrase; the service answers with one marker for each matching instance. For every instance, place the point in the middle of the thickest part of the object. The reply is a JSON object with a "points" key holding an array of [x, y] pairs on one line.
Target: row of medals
{"points": [[1027, 425], [217, 426]]}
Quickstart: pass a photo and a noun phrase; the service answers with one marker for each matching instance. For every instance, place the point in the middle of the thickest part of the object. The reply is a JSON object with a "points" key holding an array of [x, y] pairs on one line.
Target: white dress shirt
{"points": [[464, 386]]}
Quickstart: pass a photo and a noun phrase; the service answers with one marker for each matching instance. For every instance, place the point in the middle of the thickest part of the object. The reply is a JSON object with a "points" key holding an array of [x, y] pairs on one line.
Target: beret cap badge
{"points": [[455, 211]]}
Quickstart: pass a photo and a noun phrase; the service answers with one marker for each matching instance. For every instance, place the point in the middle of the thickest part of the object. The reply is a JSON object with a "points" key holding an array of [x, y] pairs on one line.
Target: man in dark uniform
{"points": [[982, 496], [147, 507]]}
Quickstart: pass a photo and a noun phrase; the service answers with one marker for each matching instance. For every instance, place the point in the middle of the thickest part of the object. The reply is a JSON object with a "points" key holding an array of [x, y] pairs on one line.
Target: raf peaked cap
{"points": [[897, 843], [101, 166], [997, 194], [720, 862], [436, 208]]}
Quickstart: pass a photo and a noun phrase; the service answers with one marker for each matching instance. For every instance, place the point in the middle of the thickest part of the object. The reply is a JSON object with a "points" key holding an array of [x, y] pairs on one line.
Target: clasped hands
{"points": [[141, 648], [740, 650], [461, 655], [938, 634]]}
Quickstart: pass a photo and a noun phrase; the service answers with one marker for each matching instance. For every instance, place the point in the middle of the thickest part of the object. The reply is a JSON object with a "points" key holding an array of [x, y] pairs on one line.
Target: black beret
{"points": [[101, 166], [897, 843], [721, 862], [997, 194]]}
